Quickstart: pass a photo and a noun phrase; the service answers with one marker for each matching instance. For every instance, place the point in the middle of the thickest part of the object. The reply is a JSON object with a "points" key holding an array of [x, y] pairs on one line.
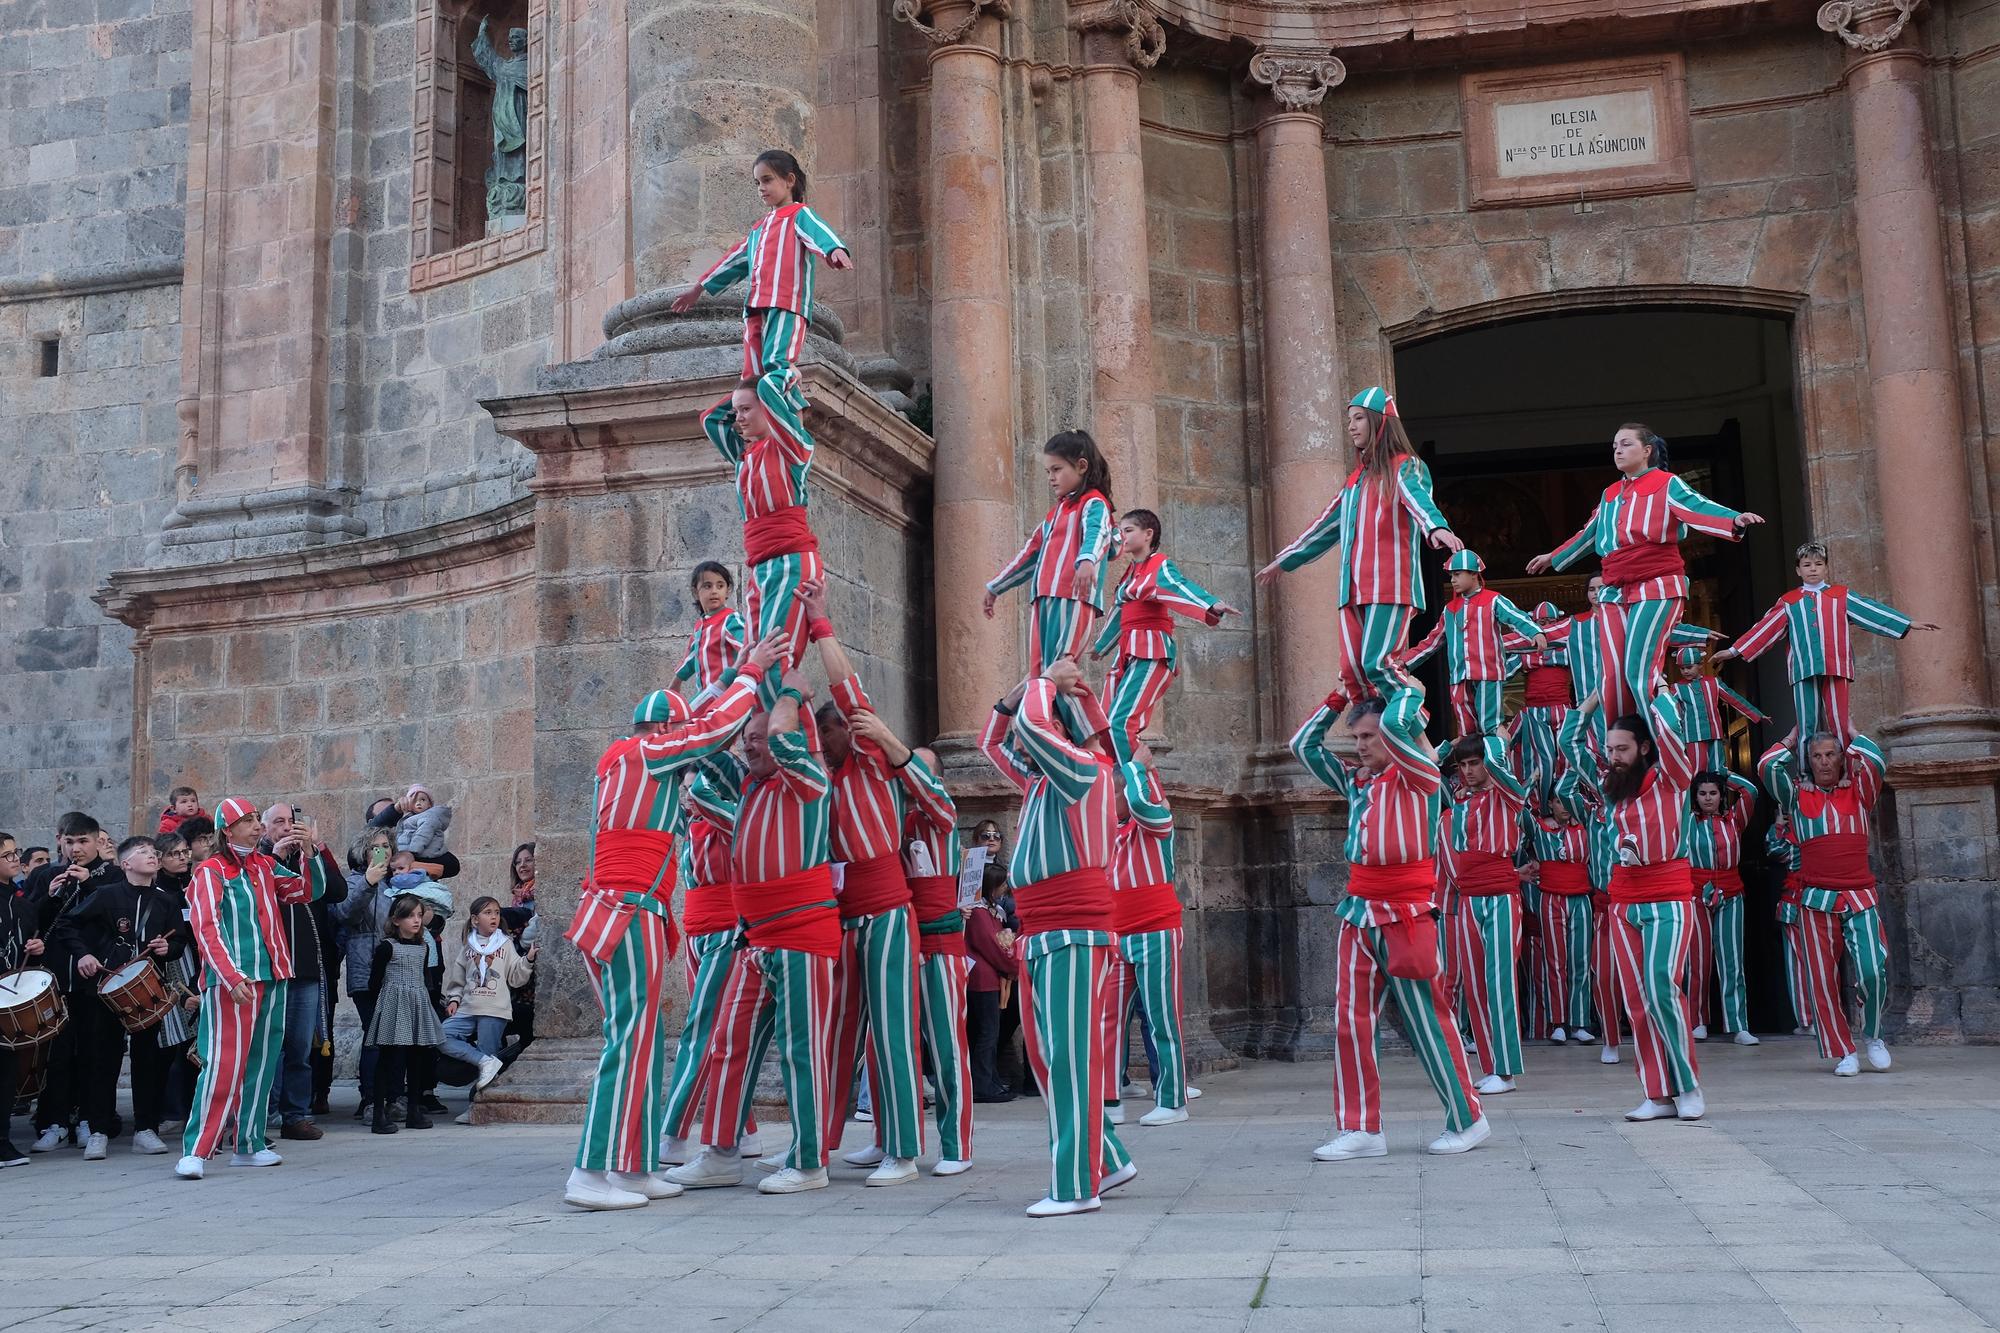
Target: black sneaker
{"points": [[433, 1106], [10, 1155]]}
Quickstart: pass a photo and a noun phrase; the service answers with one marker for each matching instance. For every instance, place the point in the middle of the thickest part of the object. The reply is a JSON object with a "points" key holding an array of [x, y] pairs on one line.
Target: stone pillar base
{"points": [[1941, 910], [548, 1085]]}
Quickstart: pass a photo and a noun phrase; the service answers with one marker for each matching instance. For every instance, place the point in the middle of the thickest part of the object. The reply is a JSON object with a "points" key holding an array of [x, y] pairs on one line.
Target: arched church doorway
{"points": [[1515, 419]]}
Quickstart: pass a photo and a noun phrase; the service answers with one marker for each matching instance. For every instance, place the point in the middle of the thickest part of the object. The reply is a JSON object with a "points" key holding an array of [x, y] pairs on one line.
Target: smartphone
{"points": [[378, 856]]}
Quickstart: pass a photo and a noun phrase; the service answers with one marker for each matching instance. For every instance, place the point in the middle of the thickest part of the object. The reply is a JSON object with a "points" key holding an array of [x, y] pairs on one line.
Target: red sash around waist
{"points": [[1074, 900], [1146, 908], [1412, 884], [708, 908], [931, 895], [1145, 615], [1636, 564], [1836, 861], [1485, 874], [1566, 879], [940, 927], [783, 532], [629, 860], [794, 912], [1728, 882], [875, 885], [1548, 687], [1666, 882]]}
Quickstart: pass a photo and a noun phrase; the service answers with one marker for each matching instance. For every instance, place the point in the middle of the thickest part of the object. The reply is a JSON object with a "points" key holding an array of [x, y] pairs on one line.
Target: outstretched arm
{"points": [[1880, 617], [1309, 744], [1771, 629], [719, 424], [995, 745], [1318, 538], [1738, 814], [1702, 514], [1743, 707], [1571, 551], [1413, 489]]}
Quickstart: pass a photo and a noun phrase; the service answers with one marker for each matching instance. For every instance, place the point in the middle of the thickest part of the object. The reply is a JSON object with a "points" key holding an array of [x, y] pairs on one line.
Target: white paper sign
{"points": [[1575, 134]]}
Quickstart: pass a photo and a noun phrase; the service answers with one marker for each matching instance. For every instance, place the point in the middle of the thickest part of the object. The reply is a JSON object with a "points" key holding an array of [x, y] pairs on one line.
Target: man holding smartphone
{"points": [[294, 842]]}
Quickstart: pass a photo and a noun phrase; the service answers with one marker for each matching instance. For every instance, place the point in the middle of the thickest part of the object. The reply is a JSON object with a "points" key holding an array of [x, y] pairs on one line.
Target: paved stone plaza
{"points": [[1803, 1202]]}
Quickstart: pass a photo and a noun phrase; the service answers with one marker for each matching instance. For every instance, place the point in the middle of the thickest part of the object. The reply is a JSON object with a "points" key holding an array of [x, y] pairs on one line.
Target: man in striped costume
{"points": [[1152, 593], [1559, 843], [1482, 826], [1636, 530], [234, 910], [625, 930], [1546, 700], [1701, 696], [1387, 940], [1044, 739], [1722, 805], [1065, 559], [1830, 811], [1783, 850], [1643, 779], [1812, 619], [1469, 628], [772, 461], [718, 636], [1146, 912], [781, 983], [1380, 520]]}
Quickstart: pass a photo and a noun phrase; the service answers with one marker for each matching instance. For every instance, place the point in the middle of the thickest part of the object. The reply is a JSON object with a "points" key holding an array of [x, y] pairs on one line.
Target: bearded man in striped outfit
{"points": [[1147, 913], [1483, 825], [1045, 738]]}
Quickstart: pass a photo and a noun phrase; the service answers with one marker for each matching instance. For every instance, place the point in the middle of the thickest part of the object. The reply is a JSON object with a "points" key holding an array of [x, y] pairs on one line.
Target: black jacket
{"points": [[48, 896], [114, 923], [306, 924]]}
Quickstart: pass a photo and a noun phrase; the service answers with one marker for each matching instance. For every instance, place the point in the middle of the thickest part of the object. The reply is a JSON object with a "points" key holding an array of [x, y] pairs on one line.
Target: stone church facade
{"points": [[322, 485]]}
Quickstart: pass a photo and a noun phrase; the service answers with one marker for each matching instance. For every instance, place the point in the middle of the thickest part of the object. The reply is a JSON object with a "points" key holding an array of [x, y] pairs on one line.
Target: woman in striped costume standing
{"points": [[1380, 520], [1470, 630], [1152, 593], [1643, 780], [1387, 940], [1043, 737], [1559, 842], [1482, 825], [1830, 812], [1146, 911], [1701, 696], [1721, 804], [1636, 530], [1065, 557], [1580, 638], [624, 928], [772, 467]]}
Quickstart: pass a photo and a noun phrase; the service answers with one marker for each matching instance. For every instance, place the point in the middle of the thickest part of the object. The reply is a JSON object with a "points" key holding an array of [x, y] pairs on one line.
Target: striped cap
{"points": [[1466, 561], [661, 706], [231, 809], [1689, 658], [1546, 612], [1376, 399]]}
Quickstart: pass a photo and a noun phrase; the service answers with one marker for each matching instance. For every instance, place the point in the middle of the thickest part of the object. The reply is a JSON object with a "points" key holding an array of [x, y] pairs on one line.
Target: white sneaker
{"points": [[1133, 1090], [790, 1180], [1164, 1115], [893, 1171], [711, 1168], [1493, 1085], [1582, 1034], [1701, 1032], [652, 1186], [489, 1069], [95, 1147], [188, 1168], [1878, 1052], [593, 1192], [1651, 1109], [262, 1157], [775, 1162], [1746, 1039], [1608, 1056], [1193, 1093], [1062, 1207], [952, 1166], [1690, 1104], [1850, 1065], [673, 1151], [1462, 1140], [868, 1156], [48, 1140], [751, 1145], [1122, 1176], [1802, 1031], [172, 1126], [865, 1116], [1115, 1114], [1558, 1037], [463, 1117], [1349, 1144], [147, 1144]]}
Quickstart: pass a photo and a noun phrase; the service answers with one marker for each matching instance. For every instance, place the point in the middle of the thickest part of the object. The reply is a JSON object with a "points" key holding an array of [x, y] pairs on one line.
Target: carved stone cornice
{"points": [[1145, 35], [912, 12], [1868, 26], [1298, 80]]}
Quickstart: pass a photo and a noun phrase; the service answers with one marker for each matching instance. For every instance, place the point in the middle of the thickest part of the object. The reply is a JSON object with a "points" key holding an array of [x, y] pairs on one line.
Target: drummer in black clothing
{"points": [[19, 947], [122, 920], [53, 889]]}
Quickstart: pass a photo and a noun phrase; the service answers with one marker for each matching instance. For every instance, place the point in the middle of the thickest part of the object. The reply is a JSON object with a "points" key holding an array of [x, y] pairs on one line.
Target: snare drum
{"points": [[31, 1008], [135, 994]]}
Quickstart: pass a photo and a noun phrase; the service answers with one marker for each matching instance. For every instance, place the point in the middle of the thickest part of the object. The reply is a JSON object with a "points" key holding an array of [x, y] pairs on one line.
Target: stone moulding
{"points": [[1662, 79], [1298, 80], [121, 277]]}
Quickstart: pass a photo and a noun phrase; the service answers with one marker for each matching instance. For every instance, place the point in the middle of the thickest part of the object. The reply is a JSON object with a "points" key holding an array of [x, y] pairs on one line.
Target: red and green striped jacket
{"points": [[1702, 699], [639, 777], [1649, 829], [712, 648], [1840, 818], [777, 258], [233, 908], [1391, 814], [1153, 591], [1077, 528], [1068, 810], [771, 473], [784, 822], [1144, 850], [1469, 628], [1380, 536], [1653, 509], [930, 817], [869, 799], [1717, 843], [1814, 621], [1487, 820]]}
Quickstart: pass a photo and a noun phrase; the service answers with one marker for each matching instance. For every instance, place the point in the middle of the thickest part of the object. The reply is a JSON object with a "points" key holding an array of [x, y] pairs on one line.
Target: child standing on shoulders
{"points": [[405, 1030], [478, 1003], [1065, 557], [182, 803], [772, 463], [718, 635]]}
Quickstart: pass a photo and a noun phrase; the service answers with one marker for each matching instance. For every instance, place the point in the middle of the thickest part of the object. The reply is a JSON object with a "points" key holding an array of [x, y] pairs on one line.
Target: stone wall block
{"points": [[259, 657]]}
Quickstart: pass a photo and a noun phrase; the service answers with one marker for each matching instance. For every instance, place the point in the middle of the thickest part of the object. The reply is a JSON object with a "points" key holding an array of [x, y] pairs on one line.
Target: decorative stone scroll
{"points": [[912, 13], [1145, 36], [1298, 80], [1844, 19], [1597, 129]]}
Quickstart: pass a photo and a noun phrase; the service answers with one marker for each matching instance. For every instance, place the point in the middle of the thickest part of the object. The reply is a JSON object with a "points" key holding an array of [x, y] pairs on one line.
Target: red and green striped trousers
{"points": [[1649, 948], [1823, 937], [1133, 689], [241, 1044], [1476, 706], [1489, 947], [1565, 976], [1361, 982], [781, 995], [773, 337], [707, 963], [942, 981], [1371, 636], [1632, 638], [1058, 627], [875, 990], [1604, 971], [773, 597], [622, 1122], [1065, 986], [1795, 972], [1147, 975]]}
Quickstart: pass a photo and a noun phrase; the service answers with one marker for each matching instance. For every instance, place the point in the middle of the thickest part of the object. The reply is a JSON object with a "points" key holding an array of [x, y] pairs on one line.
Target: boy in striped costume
{"points": [[1559, 843], [718, 636], [1643, 780], [1482, 826], [1830, 811], [234, 910], [1636, 530], [777, 259], [1547, 699], [1065, 557], [1043, 737], [1783, 850], [624, 928], [1380, 520], [1812, 619], [1387, 940], [781, 982], [1701, 696], [1469, 628], [1146, 912], [772, 464], [1152, 593], [1721, 806]]}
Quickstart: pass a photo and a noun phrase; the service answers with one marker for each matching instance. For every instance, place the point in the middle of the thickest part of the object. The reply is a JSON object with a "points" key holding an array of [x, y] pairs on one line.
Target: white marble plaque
{"points": [[1576, 134]]}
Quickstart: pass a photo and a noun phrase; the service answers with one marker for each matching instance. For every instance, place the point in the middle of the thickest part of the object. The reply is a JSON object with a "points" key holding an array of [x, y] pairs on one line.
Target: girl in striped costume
{"points": [[1559, 843], [625, 930], [1830, 812], [1482, 825], [1783, 850], [1721, 806], [1636, 530], [1152, 593], [1812, 620], [1643, 780], [1387, 940], [1469, 628], [718, 636], [772, 463], [1043, 739], [1065, 557], [1546, 701], [234, 911], [1146, 912], [1580, 637], [1379, 520], [1701, 696], [777, 258]]}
